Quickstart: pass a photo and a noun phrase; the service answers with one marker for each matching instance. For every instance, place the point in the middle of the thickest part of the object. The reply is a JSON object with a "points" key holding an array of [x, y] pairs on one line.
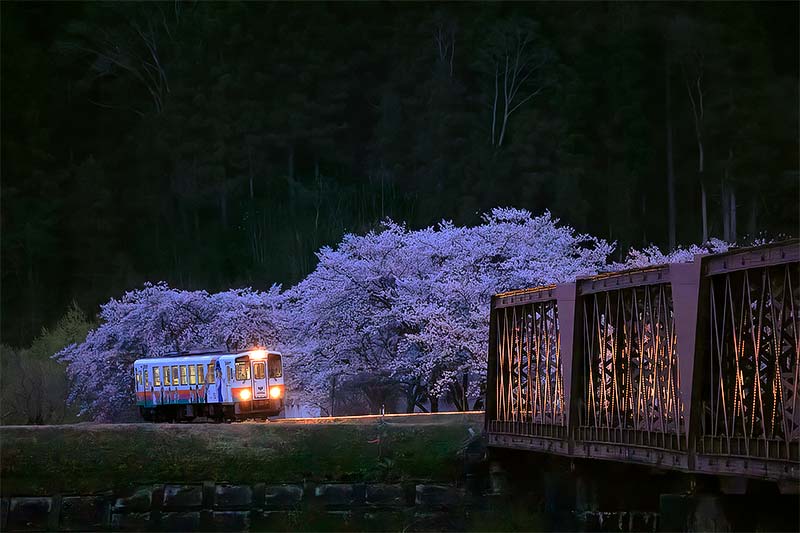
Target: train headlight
{"points": [[275, 392], [244, 395], [258, 354]]}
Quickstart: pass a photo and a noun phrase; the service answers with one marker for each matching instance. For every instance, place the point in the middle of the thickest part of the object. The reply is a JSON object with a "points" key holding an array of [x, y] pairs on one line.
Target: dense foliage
{"points": [[214, 145], [34, 388]]}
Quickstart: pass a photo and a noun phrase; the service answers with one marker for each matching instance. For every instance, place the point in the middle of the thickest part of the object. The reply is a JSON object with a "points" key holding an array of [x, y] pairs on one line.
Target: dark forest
{"points": [[217, 145]]}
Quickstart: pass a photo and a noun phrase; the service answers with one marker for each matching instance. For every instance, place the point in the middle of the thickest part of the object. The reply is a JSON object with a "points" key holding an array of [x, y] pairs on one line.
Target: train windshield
{"points": [[275, 370], [242, 371]]}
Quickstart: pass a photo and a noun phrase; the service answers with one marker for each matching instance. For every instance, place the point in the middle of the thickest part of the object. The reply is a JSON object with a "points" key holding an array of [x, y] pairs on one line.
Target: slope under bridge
{"points": [[691, 367]]}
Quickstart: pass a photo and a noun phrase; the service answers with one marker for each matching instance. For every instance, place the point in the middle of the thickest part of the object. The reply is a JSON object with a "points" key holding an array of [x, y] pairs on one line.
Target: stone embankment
{"points": [[211, 506]]}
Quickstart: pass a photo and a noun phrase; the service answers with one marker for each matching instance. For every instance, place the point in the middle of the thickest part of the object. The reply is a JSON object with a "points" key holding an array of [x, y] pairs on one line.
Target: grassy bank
{"points": [[95, 457]]}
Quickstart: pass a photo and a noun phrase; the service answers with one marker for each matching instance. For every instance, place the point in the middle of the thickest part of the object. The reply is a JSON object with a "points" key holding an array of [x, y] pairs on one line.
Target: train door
{"points": [[259, 380], [140, 395], [147, 386]]}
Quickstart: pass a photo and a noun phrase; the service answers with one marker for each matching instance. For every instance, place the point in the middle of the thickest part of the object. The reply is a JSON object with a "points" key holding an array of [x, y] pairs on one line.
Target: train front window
{"points": [[275, 370], [258, 370], [242, 371], [156, 376]]}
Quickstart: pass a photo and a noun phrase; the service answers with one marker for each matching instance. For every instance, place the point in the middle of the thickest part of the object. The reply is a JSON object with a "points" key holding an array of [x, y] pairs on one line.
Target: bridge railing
{"points": [[690, 366], [750, 409], [530, 397]]}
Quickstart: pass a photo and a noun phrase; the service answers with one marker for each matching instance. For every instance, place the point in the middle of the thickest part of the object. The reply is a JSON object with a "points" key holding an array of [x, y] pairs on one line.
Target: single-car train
{"points": [[221, 386]]}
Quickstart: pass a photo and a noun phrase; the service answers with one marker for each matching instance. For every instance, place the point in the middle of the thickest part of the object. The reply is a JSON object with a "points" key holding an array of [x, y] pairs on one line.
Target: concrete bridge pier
{"points": [[566, 494], [751, 506]]}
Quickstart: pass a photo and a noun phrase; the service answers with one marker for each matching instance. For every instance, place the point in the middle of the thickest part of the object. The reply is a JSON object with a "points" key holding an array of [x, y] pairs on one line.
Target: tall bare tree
{"points": [[517, 58], [130, 46], [671, 217], [694, 44]]}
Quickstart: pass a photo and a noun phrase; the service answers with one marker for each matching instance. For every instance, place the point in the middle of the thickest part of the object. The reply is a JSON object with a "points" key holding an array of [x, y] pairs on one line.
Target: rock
{"points": [[130, 521], [139, 501], [436, 521], [3, 513], [183, 496], [233, 496], [276, 521], [84, 512], [339, 494], [385, 521], [231, 520], [180, 521], [29, 513], [280, 496], [438, 496], [385, 494]]}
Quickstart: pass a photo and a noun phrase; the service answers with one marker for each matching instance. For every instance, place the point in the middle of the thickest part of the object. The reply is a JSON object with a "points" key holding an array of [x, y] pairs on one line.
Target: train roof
{"points": [[197, 355]]}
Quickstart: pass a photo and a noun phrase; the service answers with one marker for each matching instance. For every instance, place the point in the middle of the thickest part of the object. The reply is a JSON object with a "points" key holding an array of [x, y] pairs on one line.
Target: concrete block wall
{"points": [[213, 506]]}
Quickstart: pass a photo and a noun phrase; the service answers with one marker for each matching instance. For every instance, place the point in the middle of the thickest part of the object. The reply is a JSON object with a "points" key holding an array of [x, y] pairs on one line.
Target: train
{"points": [[217, 385]]}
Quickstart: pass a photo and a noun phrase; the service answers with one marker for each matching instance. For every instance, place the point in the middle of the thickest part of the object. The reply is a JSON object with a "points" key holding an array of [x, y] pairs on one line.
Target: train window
{"points": [[167, 380], [156, 376], [146, 380], [275, 370], [175, 377], [258, 370], [200, 374], [230, 374], [210, 375], [242, 371], [138, 378], [192, 375], [183, 375]]}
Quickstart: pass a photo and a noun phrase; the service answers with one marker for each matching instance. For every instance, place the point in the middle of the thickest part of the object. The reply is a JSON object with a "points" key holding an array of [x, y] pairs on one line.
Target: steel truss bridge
{"points": [[692, 367]]}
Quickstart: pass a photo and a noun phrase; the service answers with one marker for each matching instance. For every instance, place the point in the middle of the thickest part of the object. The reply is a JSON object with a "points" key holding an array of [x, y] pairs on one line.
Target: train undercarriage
{"points": [[214, 412]]}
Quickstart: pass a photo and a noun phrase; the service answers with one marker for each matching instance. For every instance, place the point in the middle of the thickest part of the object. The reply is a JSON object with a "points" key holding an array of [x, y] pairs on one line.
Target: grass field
{"points": [[95, 457]]}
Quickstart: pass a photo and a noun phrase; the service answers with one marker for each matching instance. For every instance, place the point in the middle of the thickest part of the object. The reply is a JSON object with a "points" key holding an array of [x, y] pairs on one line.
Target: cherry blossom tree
{"points": [[447, 308], [652, 255], [412, 307]]}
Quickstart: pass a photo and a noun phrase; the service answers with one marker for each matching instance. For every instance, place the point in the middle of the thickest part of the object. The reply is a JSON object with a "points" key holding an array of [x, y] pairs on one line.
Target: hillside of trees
{"points": [[219, 145]]}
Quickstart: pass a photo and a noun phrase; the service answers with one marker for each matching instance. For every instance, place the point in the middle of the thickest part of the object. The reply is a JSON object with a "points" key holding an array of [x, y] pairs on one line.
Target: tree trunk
{"points": [[317, 202], [250, 165], [724, 205], [333, 395], [291, 162], [505, 114], [732, 212], [671, 219], [412, 397], [434, 405], [223, 204], [752, 227], [703, 209], [494, 105]]}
